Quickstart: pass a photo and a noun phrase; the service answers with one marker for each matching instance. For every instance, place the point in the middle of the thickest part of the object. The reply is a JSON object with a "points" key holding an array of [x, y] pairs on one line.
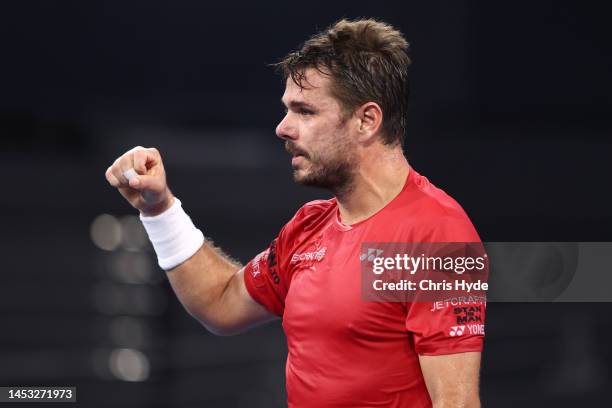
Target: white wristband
{"points": [[173, 235]]}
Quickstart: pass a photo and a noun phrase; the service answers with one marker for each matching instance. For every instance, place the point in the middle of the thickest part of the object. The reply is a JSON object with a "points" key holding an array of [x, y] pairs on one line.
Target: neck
{"points": [[379, 179]]}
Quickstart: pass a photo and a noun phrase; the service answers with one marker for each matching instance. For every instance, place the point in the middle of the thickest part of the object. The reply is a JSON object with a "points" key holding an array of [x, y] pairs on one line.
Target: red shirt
{"points": [[343, 351]]}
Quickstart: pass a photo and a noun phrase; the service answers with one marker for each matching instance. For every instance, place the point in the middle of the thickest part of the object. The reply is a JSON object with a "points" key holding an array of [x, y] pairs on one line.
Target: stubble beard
{"points": [[333, 170]]}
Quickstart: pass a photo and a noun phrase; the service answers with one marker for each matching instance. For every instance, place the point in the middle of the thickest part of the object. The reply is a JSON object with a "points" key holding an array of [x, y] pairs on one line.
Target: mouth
{"points": [[296, 159], [296, 154]]}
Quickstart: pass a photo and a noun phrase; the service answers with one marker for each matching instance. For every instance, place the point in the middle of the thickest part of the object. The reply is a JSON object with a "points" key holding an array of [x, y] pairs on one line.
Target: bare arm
{"points": [[452, 380], [209, 284], [212, 289]]}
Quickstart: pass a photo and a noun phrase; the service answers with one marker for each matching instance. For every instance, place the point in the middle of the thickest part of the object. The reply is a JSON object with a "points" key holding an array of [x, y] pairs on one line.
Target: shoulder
{"points": [[315, 209], [308, 218], [437, 215]]}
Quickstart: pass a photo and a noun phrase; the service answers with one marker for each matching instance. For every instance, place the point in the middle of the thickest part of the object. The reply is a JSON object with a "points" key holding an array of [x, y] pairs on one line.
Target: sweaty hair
{"points": [[367, 61]]}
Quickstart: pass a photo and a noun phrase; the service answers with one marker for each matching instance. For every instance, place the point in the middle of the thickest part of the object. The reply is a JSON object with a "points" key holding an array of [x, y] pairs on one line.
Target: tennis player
{"points": [[346, 100]]}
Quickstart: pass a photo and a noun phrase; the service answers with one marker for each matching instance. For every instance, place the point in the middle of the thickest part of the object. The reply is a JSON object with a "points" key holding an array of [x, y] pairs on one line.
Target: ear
{"points": [[370, 117]]}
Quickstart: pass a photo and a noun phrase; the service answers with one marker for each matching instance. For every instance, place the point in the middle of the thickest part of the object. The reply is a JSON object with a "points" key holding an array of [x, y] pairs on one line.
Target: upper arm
{"points": [[212, 289], [245, 310], [228, 298], [452, 379]]}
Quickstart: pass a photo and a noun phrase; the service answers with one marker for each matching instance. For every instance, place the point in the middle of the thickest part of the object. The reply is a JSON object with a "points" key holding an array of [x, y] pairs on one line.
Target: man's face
{"points": [[317, 134]]}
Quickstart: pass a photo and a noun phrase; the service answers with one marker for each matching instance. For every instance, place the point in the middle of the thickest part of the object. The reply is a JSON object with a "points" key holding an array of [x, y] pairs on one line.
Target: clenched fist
{"points": [[140, 177]]}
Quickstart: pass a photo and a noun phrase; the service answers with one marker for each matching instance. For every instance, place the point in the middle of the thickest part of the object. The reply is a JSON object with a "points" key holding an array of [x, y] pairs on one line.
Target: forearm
{"points": [[452, 379], [199, 273], [456, 401], [208, 283]]}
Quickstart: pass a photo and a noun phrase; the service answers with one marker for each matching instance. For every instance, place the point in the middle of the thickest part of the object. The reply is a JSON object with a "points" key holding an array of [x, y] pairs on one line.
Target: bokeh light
{"points": [[105, 232], [129, 364]]}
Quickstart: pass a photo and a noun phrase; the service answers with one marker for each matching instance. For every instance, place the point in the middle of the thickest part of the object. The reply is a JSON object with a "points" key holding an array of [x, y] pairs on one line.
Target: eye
{"points": [[306, 112]]}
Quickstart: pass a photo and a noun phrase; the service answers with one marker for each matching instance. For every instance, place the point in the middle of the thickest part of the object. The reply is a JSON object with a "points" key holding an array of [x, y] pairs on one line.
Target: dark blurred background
{"points": [[510, 114]]}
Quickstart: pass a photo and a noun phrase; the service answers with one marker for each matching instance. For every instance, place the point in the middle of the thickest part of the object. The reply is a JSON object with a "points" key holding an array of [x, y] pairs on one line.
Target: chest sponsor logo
{"points": [[309, 256]]}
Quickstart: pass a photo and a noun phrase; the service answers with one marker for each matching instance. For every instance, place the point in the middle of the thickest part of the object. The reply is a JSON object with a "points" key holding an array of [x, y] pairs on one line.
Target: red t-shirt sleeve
{"points": [[268, 275], [265, 280], [444, 328], [448, 327]]}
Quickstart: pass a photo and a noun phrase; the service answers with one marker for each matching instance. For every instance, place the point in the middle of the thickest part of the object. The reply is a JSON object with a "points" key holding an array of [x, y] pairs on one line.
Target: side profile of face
{"points": [[317, 133]]}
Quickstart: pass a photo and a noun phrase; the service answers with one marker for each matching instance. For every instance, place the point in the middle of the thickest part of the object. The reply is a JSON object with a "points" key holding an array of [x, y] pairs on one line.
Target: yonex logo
{"points": [[371, 254], [456, 331]]}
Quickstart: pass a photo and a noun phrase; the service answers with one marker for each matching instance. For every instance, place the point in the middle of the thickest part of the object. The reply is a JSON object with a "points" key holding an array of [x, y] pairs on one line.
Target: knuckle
{"points": [[119, 165], [126, 162], [138, 150], [111, 179]]}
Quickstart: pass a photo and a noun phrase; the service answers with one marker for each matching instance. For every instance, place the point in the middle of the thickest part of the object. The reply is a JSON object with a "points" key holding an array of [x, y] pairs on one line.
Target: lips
{"points": [[296, 159], [296, 156], [295, 152]]}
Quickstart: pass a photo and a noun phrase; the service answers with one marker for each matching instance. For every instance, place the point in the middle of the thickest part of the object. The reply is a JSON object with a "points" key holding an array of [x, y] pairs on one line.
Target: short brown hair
{"points": [[367, 61]]}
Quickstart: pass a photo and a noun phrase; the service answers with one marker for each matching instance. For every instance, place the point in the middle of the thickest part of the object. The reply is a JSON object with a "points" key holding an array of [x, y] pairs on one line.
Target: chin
{"points": [[306, 179], [300, 176], [301, 173]]}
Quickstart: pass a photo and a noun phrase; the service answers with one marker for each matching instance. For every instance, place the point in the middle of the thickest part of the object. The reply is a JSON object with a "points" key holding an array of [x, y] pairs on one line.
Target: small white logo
{"points": [[371, 254], [476, 329], [456, 331], [261, 257], [309, 256]]}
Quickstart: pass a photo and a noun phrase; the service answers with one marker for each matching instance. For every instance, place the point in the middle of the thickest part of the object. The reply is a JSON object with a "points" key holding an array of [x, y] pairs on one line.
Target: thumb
{"points": [[146, 182]]}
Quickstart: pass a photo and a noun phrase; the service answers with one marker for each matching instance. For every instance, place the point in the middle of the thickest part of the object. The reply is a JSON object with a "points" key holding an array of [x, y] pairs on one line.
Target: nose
{"points": [[286, 130]]}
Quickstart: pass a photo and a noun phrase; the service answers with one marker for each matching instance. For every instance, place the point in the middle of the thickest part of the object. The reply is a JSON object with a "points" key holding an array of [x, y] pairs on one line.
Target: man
{"points": [[346, 96]]}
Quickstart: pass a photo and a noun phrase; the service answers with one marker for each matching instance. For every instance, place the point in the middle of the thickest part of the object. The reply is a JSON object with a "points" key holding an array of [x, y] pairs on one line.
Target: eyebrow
{"points": [[298, 105]]}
